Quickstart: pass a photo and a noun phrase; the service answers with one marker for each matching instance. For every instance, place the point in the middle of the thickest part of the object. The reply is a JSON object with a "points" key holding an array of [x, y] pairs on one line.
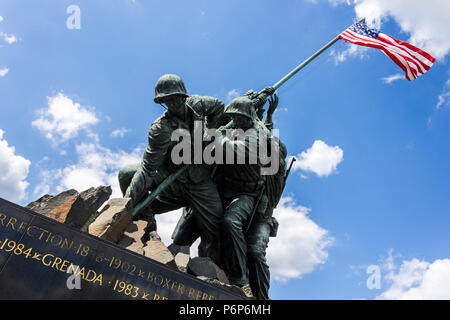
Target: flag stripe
{"points": [[411, 74], [422, 66], [423, 60], [390, 48], [415, 49], [412, 60], [405, 68], [375, 44]]}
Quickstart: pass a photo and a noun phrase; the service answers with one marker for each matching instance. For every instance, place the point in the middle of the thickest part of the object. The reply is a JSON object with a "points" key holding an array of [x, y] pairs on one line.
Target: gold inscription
{"points": [[54, 262]]}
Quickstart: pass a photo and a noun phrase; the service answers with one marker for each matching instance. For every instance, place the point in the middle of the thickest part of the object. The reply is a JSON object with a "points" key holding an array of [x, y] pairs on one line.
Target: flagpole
{"points": [[304, 63]]}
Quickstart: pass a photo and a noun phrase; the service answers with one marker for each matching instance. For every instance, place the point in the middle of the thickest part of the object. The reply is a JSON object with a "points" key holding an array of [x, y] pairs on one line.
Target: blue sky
{"points": [[371, 185]]}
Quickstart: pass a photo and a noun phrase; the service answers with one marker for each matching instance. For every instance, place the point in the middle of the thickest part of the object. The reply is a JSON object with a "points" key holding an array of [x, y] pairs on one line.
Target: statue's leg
{"points": [[237, 214], [204, 200], [259, 275], [188, 231], [148, 214], [158, 206], [165, 202], [126, 175]]}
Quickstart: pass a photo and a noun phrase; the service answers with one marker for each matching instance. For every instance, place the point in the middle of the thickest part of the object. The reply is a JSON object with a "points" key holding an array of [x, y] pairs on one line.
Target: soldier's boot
{"points": [[149, 229]]}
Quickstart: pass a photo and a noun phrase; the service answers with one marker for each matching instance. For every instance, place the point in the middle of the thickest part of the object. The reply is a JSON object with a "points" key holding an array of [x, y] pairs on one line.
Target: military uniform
{"points": [[240, 185], [194, 188], [244, 188], [263, 227]]}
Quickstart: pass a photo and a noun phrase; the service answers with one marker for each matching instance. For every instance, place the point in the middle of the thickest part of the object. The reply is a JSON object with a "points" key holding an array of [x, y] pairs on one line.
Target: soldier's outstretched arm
{"points": [[155, 152]]}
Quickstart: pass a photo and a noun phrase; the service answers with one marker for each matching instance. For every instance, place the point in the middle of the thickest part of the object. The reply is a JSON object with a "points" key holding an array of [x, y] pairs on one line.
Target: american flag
{"points": [[412, 60]]}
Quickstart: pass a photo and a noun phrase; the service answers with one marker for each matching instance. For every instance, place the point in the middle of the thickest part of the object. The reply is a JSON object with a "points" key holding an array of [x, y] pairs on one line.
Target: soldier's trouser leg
{"points": [[259, 274], [204, 200], [188, 232], [236, 217], [125, 176], [207, 210]]}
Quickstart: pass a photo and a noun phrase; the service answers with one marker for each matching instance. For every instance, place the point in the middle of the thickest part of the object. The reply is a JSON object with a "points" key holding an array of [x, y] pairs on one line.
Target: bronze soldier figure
{"points": [[265, 225], [249, 199], [194, 188]]}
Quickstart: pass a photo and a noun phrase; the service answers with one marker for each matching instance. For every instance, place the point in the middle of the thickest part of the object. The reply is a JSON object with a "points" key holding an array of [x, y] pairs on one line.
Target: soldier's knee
{"points": [[127, 172], [256, 253], [125, 176], [121, 175], [219, 209], [230, 223]]}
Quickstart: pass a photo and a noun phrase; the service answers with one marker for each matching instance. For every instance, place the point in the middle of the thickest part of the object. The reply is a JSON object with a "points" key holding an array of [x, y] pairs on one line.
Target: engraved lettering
{"points": [[47, 263], [2, 218], [56, 263], [12, 224]]}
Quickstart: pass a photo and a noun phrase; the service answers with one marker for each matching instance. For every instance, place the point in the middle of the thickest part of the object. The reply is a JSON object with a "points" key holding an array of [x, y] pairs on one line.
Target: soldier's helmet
{"points": [[169, 85], [243, 106]]}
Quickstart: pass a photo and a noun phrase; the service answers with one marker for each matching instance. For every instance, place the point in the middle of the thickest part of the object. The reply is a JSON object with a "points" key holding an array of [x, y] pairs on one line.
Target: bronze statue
{"points": [[235, 239], [249, 198], [194, 188]]}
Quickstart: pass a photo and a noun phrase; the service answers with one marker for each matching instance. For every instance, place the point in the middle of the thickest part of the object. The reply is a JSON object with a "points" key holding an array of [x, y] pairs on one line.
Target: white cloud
{"points": [[300, 244], [444, 97], [119, 132], [419, 280], [352, 50], [166, 223], [234, 93], [392, 78], [426, 22], [388, 264], [337, 2], [47, 178], [10, 39], [3, 72], [63, 118], [13, 172], [1, 18], [96, 166], [321, 159]]}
